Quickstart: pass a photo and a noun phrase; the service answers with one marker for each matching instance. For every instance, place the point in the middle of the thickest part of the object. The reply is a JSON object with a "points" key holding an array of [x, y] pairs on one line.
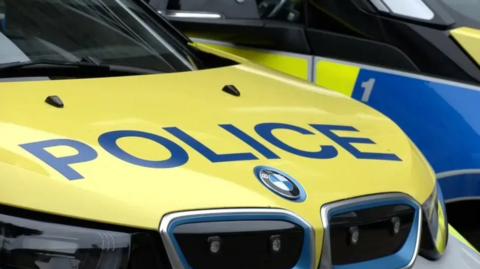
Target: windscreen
{"points": [[120, 32]]}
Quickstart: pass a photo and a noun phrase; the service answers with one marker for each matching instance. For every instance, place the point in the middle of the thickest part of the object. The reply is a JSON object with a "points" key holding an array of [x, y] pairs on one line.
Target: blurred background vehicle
{"points": [[416, 61]]}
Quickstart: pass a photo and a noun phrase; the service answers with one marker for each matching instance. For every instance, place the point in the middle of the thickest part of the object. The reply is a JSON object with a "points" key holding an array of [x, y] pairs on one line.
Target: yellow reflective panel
{"points": [[469, 39], [336, 76], [296, 65]]}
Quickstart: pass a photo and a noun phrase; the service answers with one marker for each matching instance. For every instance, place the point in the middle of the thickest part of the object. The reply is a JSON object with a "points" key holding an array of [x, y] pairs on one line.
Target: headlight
{"points": [[30, 244], [435, 226]]}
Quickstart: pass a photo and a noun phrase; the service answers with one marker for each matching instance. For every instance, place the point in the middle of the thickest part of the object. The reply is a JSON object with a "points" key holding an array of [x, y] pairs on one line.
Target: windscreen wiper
{"points": [[47, 63], [87, 67]]}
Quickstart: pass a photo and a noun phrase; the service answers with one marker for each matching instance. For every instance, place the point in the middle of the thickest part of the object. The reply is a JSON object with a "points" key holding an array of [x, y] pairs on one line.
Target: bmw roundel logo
{"points": [[280, 183]]}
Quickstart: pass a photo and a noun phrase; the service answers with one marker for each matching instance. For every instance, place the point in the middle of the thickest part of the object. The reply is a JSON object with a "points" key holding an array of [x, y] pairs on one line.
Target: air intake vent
{"points": [[264, 244], [238, 239], [380, 230]]}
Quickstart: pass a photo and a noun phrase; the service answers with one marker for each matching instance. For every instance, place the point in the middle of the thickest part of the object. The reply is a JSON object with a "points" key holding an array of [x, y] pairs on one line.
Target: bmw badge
{"points": [[280, 183]]}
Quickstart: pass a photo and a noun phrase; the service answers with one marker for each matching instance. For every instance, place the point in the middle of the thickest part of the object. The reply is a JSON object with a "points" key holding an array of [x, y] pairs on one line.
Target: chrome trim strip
{"points": [[191, 14], [457, 173], [167, 219], [326, 256]]}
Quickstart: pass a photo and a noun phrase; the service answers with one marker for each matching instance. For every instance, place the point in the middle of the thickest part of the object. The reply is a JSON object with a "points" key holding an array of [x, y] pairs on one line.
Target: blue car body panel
{"points": [[441, 118]]}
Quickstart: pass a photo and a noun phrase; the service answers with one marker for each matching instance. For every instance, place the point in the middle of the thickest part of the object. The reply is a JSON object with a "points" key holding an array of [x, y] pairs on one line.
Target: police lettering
{"points": [[179, 156]]}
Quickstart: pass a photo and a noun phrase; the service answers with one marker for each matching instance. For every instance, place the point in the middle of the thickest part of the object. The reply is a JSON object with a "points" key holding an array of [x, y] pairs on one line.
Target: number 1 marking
{"points": [[368, 87]]}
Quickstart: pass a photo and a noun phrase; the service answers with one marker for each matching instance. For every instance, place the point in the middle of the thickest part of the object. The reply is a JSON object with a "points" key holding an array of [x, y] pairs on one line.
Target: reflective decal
{"points": [[346, 142], [267, 153], [62, 164], [205, 151], [178, 157], [265, 131]]}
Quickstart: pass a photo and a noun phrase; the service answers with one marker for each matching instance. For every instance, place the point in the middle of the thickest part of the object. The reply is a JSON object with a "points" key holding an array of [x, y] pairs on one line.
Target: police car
{"points": [[125, 146], [416, 61]]}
